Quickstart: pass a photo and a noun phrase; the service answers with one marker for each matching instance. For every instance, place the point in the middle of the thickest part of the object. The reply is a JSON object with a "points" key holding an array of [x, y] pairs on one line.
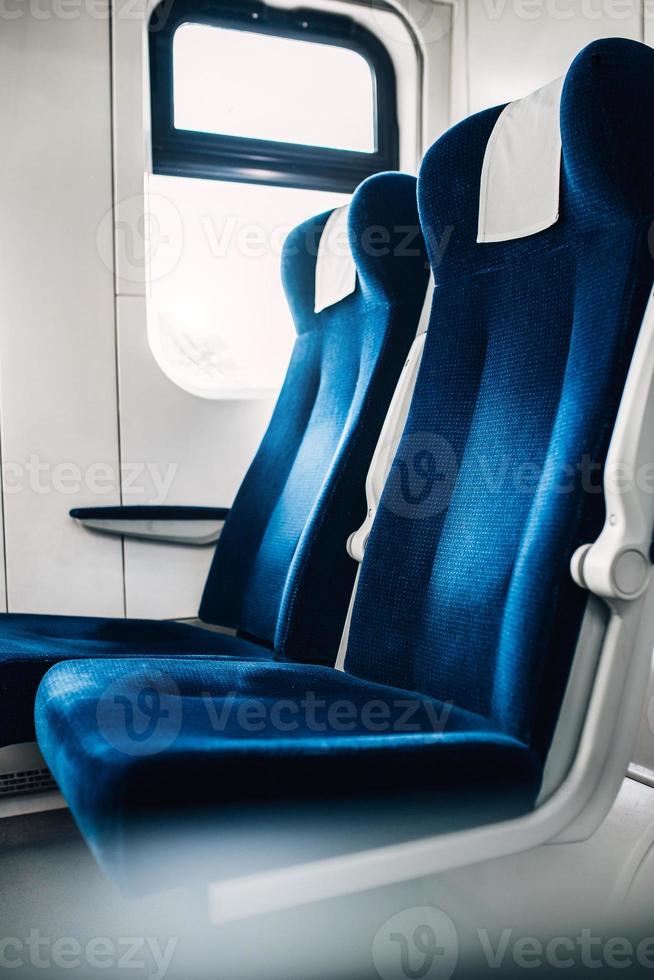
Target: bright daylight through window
{"points": [[219, 325]]}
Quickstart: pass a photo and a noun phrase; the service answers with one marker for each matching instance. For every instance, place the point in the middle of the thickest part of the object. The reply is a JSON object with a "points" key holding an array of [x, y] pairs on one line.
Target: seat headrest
{"points": [[298, 270], [520, 176], [607, 170], [383, 231], [607, 123], [385, 235]]}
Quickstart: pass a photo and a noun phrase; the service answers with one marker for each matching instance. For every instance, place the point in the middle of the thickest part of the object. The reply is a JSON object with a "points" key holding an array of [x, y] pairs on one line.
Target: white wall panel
{"points": [[3, 579], [436, 31], [57, 334], [209, 443], [131, 123], [459, 94], [204, 446], [179, 449], [648, 27], [515, 46]]}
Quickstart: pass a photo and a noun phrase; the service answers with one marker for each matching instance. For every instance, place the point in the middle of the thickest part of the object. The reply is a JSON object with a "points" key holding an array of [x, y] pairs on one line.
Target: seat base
{"points": [[182, 769]]}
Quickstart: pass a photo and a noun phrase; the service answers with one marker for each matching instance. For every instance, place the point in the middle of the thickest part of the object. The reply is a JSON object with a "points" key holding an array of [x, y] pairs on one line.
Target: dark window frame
{"points": [[185, 153]]}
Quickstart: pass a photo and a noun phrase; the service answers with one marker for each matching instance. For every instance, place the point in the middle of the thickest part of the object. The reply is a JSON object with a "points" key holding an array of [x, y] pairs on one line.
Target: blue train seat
{"points": [[281, 576], [466, 617]]}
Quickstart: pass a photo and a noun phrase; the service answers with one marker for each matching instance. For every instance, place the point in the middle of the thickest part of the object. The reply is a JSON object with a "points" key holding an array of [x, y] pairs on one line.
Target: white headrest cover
{"points": [[336, 274], [520, 177]]}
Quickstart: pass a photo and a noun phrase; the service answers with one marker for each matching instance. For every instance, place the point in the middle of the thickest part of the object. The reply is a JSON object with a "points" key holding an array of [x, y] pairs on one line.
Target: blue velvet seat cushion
{"points": [[139, 746], [30, 645]]}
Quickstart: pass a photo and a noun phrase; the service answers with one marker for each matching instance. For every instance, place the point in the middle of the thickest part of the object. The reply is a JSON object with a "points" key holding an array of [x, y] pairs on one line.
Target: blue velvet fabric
{"points": [[30, 645], [465, 592], [465, 596], [176, 739], [281, 573]]}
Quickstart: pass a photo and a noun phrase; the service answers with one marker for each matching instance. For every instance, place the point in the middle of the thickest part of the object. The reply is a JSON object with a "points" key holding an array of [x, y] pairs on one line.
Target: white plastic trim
{"points": [[380, 467], [336, 273], [575, 702], [21, 805], [387, 444], [198, 533], [575, 808], [392, 430], [617, 565], [345, 636], [20, 757]]}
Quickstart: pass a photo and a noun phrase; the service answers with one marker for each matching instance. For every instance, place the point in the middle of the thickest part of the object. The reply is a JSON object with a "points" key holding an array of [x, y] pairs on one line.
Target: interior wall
{"points": [[515, 46], [435, 26], [58, 383], [57, 333], [208, 444], [198, 449], [648, 25]]}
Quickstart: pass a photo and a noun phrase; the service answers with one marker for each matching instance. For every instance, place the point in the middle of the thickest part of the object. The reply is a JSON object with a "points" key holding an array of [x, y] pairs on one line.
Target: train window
{"points": [[326, 119], [315, 94], [235, 168], [218, 321]]}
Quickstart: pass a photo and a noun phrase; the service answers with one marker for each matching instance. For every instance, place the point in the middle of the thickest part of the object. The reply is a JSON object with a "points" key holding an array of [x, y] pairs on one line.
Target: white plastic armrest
{"points": [[199, 532]]}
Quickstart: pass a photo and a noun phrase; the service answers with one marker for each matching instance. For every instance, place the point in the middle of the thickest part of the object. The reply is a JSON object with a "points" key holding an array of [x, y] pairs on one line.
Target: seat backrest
{"points": [[281, 573], [465, 590]]}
